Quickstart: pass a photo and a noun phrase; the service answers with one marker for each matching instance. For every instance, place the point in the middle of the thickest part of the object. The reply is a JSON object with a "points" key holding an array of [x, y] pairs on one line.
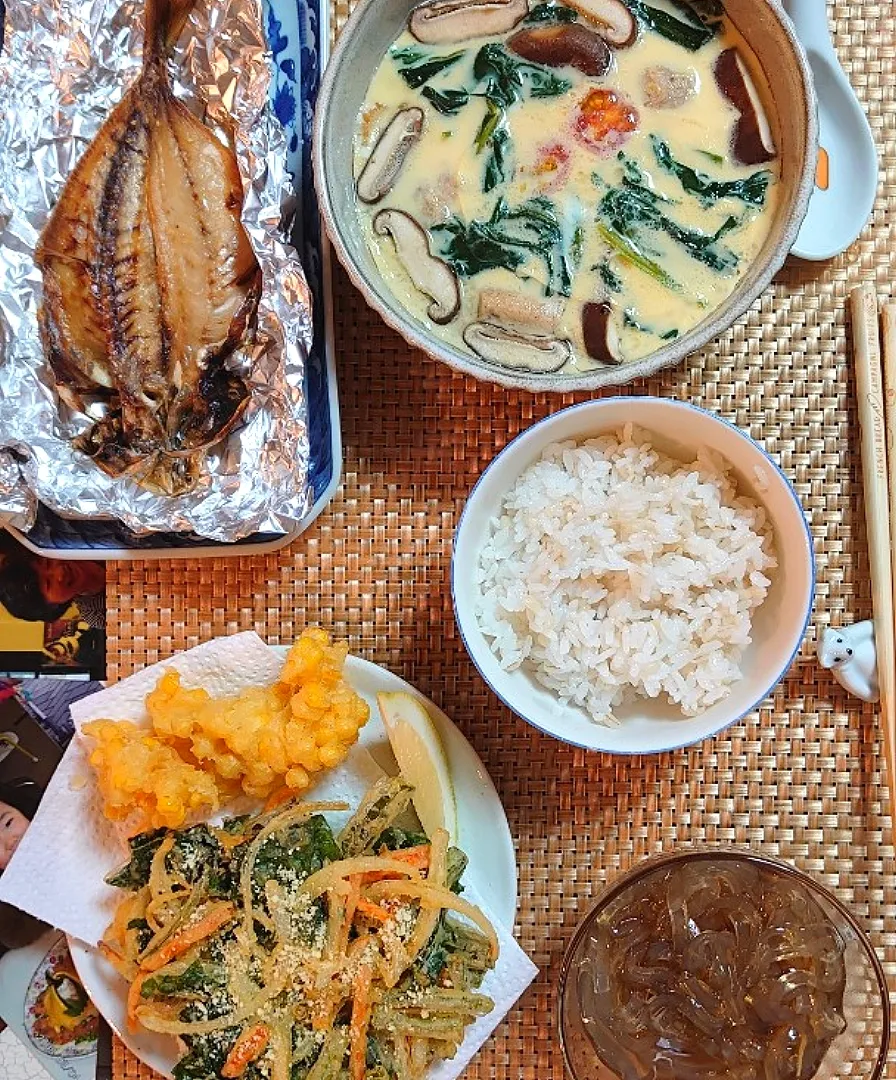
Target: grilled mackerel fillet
{"points": [[150, 281]]}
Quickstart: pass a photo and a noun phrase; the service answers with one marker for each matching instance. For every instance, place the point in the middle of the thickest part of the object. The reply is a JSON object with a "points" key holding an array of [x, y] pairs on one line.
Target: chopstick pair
{"points": [[874, 345]]}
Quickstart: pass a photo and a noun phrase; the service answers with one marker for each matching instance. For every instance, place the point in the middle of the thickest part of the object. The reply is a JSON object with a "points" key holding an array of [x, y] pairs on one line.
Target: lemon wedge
{"points": [[421, 759]]}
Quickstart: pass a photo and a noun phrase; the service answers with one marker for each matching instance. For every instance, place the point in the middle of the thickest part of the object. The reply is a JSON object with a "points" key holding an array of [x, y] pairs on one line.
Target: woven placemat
{"points": [[800, 778]]}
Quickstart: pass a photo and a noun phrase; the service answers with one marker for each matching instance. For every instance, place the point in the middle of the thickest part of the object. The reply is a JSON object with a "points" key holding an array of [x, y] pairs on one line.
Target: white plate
{"points": [[483, 833]]}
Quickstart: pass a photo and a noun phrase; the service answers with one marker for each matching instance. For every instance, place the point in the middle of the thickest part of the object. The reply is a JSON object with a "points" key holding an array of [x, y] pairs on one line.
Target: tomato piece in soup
{"points": [[552, 166], [604, 120]]}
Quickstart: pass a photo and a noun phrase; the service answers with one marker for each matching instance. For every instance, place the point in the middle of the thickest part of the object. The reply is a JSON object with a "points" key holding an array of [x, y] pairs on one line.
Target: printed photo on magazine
{"points": [[52, 614], [41, 997]]}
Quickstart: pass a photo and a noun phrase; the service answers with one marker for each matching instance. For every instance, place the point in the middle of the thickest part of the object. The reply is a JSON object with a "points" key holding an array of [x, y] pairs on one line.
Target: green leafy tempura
{"points": [[290, 935], [195, 981]]}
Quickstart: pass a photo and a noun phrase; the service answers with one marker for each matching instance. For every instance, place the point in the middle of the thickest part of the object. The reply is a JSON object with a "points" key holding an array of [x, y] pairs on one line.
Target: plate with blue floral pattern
{"points": [[298, 37]]}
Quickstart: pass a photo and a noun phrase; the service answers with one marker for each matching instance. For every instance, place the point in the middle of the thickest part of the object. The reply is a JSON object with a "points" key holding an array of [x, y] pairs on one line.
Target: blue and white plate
{"points": [[298, 35]]}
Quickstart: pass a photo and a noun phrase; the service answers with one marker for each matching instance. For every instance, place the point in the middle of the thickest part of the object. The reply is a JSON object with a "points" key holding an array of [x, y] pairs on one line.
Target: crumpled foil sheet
{"points": [[65, 64], [18, 500]]}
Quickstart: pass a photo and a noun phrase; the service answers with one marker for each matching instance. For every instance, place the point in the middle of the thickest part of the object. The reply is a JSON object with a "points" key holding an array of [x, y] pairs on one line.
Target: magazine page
{"points": [[52, 614], [53, 1027]]}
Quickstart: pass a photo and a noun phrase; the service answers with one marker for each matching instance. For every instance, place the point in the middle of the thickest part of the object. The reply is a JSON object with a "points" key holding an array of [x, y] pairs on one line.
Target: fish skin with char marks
{"points": [[150, 281]]}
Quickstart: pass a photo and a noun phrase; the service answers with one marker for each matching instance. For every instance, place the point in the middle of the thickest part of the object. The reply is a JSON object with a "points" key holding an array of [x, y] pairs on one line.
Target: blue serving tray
{"points": [[298, 34]]}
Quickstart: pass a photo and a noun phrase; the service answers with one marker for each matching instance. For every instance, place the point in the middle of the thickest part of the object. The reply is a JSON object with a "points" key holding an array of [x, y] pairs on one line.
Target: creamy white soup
{"points": [[556, 188]]}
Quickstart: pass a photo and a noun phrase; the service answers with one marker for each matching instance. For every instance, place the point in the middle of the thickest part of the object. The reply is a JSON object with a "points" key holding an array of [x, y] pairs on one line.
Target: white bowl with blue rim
{"points": [[778, 625]]}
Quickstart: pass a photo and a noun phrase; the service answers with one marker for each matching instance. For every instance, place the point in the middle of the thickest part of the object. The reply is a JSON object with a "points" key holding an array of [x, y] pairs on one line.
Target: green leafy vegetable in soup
{"points": [[448, 102], [589, 191], [633, 207], [752, 189], [420, 70], [508, 239], [690, 32], [548, 13]]}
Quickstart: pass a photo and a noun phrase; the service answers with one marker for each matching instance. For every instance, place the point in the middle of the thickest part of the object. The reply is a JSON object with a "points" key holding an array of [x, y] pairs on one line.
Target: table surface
{"points": [[800, 778]]}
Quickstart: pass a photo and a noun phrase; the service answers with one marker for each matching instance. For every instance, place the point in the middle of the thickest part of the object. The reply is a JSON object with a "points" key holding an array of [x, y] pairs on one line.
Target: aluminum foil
{"points": [[65, 64]]}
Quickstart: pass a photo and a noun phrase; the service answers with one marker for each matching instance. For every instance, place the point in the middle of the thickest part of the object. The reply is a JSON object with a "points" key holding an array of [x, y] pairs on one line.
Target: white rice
{"points": [[614, 570]]}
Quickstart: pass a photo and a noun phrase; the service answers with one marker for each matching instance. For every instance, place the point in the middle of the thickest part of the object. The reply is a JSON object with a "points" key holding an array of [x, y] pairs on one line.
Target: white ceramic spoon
{"points": [[846, 179]]}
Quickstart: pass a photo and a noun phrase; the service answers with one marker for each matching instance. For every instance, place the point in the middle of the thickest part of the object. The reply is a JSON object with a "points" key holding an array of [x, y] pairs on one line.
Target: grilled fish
{"points": [[150, 281]]}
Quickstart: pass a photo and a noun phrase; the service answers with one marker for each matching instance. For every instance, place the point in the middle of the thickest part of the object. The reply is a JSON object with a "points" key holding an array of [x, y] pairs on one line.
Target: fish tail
{"points": [[164, 22]]}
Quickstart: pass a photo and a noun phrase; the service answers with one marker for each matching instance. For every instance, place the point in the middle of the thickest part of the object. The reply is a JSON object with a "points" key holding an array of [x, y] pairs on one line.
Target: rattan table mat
{"points": [[800, 778]]}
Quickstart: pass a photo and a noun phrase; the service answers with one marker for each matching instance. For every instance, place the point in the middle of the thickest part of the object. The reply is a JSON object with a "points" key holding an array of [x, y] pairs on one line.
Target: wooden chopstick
{"points": [[878, 494], [888, 348]]}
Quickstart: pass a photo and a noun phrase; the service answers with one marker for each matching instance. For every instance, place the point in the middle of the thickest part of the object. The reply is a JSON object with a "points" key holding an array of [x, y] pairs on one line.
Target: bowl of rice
{"points": [[632, 575]]}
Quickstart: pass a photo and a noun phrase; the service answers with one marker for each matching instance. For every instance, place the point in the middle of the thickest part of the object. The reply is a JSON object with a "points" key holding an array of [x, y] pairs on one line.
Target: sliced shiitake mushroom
{"points": [[389, 155], [431, 276], [599, 333], [520, 312], [521, 352], [752, 142], [566, 45], [440, 22], [613, 20]]}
